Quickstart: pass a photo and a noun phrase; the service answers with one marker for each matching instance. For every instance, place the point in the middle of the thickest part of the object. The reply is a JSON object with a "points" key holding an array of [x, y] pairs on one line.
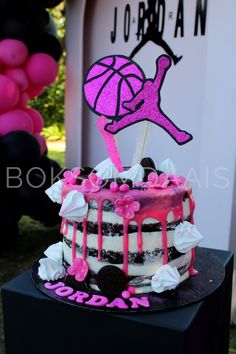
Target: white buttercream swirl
{"points": [[55, 192], [50, 270], [135, 173], [106, 169], [165, 278], [186, 236], [74, 207], [55, 252], [168, 167]]}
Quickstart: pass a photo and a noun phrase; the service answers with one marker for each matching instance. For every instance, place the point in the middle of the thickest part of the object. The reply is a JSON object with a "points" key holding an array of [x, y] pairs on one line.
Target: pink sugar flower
{"points": [[79, 269], [92, 183], [126, 207], [177, 180], [155, 181], [70, 177]]}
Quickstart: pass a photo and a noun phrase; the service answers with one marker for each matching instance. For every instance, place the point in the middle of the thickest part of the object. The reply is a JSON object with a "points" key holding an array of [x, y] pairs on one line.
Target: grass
{"points": [[34, 239]]}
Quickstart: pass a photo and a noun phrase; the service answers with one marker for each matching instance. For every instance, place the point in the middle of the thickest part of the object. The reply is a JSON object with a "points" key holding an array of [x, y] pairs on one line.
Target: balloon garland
{"points": [[29, 54]]}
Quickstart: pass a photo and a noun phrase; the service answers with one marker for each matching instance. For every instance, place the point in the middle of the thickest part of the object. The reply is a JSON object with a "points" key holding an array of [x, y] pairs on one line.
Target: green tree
{"points": [[51, 102]]}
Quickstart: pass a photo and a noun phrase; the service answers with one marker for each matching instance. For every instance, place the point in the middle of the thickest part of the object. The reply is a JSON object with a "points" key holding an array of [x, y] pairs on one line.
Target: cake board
{"points": [[210, 275], [35, 323]]}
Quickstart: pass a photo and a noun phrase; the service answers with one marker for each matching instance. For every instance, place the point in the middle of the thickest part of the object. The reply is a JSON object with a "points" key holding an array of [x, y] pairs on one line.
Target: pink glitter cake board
{"points": [[196, 288]]}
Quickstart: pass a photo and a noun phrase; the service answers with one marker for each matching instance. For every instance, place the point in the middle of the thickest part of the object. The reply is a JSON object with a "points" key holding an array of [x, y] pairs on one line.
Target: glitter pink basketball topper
{"points": [[116, 87]]}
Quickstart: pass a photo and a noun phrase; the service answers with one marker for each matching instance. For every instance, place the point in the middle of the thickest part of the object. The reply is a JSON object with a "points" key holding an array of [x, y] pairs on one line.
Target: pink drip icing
{"points": [[125, 245], [66, 227], [100, 237], [140, 238], [164, 242], [62, 225], [158, 204], [192, 271], [179, 212], [191, 206], [63, 219], [74, 241], [85, 237]]}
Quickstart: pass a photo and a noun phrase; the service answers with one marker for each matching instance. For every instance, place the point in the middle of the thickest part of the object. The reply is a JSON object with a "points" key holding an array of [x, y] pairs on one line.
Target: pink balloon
{"points": [[9, 93], [41, 69], [42, 142], [37, 119], [16, 119], [34, 91], [19, 76], [23, 101], [13, 53]]}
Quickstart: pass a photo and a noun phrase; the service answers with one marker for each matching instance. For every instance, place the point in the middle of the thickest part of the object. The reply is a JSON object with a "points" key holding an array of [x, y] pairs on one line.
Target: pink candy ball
{"points": [[41, 69], [114, 187], [19, 76], [125, 294], [42, 142], [131, 290], [13, 53], [37, 119], [16, 119], [124, 188], [9, 93], [34, 91]]}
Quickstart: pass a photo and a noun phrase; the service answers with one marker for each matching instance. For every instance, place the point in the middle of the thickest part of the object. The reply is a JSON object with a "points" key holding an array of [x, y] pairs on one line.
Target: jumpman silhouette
{"points": [[146, 106], [153, 33]]}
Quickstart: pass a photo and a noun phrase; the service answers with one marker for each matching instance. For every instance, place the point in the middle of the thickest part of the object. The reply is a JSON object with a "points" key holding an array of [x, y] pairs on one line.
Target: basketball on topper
{"points": [[117, 88]]}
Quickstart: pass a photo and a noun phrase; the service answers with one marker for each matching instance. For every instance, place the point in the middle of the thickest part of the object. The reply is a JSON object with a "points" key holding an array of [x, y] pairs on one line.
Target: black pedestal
{"points": [[36, 324]]}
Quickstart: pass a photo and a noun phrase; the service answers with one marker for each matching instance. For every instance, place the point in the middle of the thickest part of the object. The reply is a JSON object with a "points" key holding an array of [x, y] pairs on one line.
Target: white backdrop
{"points": [[199, 95]]}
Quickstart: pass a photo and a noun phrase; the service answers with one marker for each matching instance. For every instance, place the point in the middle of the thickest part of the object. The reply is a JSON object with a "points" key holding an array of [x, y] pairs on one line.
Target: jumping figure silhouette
{"points": [[146, 106], [153, 32]]}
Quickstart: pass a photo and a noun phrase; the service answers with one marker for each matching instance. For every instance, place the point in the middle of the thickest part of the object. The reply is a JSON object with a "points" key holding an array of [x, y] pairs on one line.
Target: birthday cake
{"points": [[125, 231]]}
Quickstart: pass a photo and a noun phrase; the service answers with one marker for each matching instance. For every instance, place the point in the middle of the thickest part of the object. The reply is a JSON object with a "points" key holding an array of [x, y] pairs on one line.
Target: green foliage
{"points": [[56, 131], [51, 103]]}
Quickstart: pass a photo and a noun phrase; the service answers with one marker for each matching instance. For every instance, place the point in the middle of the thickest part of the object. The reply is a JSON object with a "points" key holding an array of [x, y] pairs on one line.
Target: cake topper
{"points": [[116, 88]]}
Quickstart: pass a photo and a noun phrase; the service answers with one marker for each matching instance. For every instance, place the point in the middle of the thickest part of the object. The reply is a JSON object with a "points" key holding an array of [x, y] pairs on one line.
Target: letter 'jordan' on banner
{"points": [[151, 23]]}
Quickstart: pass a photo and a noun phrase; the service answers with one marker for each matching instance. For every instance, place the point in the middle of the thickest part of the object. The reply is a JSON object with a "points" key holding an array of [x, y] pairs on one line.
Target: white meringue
{"points": [[55, 252], [186, 236], [55, 192], [74, 207], [106, 169], [50, 270], [135, 173], [166, 278], [168, 167]]}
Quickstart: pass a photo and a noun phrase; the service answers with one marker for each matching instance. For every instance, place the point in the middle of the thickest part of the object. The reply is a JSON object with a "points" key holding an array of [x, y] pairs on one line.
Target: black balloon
{"points": [[50, 3], [33, 201], [50, 168], [13, 28], [37, 23], [8, 224], [48, 44], [26, 27], [20, 149]]}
